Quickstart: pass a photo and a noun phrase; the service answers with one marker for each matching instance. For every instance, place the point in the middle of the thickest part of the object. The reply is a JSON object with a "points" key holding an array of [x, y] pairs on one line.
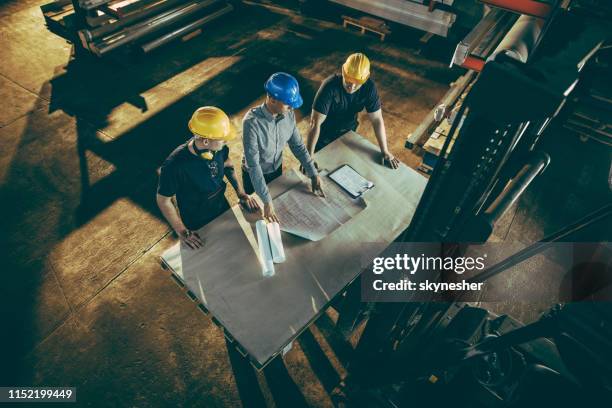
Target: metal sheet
{"points": [[265, 314]]}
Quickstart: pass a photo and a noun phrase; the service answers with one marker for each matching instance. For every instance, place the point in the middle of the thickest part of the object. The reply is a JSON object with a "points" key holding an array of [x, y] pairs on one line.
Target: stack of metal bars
{"points": [[413, 13], [102, 26]]}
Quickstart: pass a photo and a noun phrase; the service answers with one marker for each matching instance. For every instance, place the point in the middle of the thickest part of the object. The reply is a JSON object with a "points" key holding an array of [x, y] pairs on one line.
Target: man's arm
{"points": [[170, 213], [251, 156], [316, 120], [298, 148], [246, 200], [166, 206], [230, 174], [378, 124]]}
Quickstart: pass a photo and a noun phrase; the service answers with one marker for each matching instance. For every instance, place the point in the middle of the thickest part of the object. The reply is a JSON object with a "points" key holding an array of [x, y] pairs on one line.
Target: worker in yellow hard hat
{"points": [[338, 101], [193, 174]]}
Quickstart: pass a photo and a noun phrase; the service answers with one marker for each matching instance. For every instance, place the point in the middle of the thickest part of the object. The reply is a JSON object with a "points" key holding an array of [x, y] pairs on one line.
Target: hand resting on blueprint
{"points": [[269, 213], [317, 186]]}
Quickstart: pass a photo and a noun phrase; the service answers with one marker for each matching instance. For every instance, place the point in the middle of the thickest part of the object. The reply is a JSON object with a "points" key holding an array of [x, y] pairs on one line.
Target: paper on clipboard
{"points": [[351, 181]]}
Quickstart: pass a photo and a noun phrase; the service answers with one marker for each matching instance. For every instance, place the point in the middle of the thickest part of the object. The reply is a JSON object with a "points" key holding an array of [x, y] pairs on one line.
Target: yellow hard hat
{"points": [[356, 69], [211, 122]]}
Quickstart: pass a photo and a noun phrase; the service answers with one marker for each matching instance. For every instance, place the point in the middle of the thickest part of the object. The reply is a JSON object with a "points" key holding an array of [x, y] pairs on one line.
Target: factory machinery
{"points": [[524, 67], [452, 354], [102, 26]]}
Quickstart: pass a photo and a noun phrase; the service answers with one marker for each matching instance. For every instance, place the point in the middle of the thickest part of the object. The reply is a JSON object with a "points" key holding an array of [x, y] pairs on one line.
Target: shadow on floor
{"points": [[64, 172], [319, 362], [283, 389]]}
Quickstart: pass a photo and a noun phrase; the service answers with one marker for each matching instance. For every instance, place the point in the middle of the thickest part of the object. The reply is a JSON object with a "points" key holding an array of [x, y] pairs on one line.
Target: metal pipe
{"points": [[536, 165], [150, 46], [538, 247], [106, 29], [521, 40], [145, 28]]}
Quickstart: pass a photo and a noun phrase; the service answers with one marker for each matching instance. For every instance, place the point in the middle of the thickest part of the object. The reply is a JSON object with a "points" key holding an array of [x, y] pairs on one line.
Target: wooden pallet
{"points": [[373, 25]]}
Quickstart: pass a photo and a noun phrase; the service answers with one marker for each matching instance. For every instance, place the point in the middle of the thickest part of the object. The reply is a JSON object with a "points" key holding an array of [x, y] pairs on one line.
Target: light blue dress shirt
{"points": [[264, 137]]}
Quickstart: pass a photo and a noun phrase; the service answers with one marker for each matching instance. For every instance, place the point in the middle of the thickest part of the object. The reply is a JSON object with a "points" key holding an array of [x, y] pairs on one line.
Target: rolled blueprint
{"points": [[276, 243], [265, 253]]}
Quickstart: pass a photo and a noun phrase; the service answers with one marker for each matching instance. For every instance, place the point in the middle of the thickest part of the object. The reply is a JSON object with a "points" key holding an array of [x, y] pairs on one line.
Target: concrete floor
{"points": [[86, 302]]}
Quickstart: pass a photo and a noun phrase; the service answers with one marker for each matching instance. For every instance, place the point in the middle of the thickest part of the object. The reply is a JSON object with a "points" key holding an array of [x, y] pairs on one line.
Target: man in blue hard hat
{"points": [[266, 129]]}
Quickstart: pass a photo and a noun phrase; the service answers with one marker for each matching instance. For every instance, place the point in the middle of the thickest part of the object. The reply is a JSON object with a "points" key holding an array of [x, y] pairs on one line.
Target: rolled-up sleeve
{"points": [[251, 156], [298, 148]]}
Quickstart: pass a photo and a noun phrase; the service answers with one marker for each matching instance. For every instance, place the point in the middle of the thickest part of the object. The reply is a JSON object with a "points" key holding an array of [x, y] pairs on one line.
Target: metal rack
{"points": [[414, 13], [102, 26]]}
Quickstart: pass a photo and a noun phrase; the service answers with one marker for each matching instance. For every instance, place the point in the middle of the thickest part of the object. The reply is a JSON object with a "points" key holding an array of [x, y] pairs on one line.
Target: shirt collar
{"points": [[269, 116], [266, 113]]}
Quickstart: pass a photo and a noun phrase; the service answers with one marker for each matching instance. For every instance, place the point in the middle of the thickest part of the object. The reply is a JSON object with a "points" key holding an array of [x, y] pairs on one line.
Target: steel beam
{"points": [[145, 28], [164, 39]]}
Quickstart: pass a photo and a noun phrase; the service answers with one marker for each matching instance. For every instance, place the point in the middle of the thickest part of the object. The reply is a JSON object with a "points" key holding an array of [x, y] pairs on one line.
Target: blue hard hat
{"points": [[284, 87]]}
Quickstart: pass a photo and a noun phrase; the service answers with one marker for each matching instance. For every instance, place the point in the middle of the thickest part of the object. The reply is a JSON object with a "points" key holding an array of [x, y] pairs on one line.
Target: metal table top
{"points": [[263, 315]]}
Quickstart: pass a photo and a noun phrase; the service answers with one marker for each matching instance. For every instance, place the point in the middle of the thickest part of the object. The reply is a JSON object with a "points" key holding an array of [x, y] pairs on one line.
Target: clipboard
{"points": [[350, 180]]}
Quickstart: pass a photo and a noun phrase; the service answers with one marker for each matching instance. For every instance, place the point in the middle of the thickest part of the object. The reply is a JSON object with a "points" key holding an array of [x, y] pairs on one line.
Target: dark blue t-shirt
{"points": [[197, 183], [341, 107]]}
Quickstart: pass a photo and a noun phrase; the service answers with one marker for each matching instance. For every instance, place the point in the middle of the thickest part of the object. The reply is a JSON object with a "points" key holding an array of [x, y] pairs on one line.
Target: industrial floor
{"points": [[85, 302]]}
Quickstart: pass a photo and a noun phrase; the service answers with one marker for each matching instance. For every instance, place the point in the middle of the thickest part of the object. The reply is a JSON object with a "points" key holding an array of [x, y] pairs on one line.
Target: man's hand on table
{"points": [[389, 160], [317, 186], [249, 202], [269, 213], [191, 238]]}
